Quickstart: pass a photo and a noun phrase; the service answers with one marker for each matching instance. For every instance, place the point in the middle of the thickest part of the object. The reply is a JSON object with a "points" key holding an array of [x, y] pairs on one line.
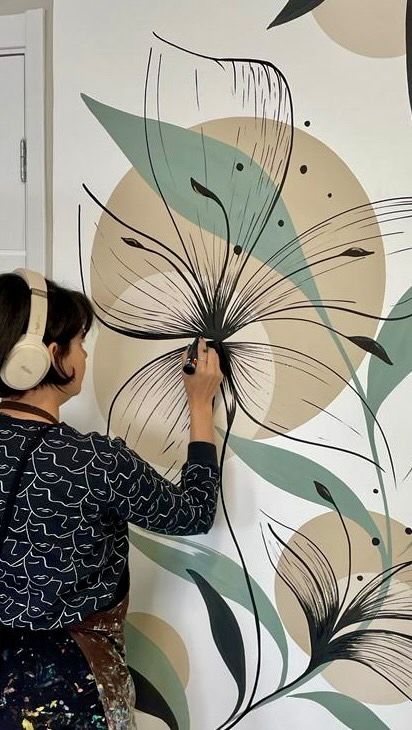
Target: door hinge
{"points": [[23, 160]]}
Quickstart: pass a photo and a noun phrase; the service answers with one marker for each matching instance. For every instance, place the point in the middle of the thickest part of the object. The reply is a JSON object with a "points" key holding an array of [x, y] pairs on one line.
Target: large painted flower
{"points": [[186, 246], [369, 626]]}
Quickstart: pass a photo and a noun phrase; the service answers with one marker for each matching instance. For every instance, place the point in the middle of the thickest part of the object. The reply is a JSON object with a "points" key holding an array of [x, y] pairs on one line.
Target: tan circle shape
{"points": [[349, 677], [167, 639], [373, 28], [306, 199]]}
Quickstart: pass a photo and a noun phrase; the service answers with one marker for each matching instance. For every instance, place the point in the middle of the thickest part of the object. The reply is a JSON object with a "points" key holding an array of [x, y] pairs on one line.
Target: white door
{"points": [[12, 186]]}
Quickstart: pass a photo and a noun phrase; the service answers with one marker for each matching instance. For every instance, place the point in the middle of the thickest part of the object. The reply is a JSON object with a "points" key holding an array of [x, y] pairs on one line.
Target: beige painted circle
{"points": [[167, 639], [306, 199], [349, 677], [373, 28]]}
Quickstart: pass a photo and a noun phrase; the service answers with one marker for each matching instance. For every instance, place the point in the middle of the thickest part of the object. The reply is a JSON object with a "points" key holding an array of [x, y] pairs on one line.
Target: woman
{"points": [[65, 500]]}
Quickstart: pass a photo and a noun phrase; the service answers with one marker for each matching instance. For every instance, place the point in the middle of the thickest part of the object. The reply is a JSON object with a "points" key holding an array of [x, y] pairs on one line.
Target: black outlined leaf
{"points": [[294, 9], [226, 633], [370, 345], [356, 252]]}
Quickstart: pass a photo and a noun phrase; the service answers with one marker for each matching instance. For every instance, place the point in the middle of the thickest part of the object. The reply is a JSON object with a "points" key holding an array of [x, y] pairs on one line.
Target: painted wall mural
{"points": [[247, 228]]}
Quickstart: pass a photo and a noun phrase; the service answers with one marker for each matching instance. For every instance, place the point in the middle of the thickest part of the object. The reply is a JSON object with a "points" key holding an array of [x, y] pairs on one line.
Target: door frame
{"points": [[24, 33]]}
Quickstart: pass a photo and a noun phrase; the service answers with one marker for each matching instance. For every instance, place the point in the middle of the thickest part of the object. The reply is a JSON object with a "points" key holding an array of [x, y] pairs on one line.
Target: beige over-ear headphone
{"points": [[29, 360]]}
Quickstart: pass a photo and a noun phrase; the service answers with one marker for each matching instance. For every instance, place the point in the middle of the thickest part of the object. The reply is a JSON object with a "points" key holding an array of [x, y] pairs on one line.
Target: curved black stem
{"points": [[230, 418]]}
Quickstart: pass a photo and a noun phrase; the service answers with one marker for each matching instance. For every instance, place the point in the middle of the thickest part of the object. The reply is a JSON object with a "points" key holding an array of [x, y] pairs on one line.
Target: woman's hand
{"points": [[201, 388]]}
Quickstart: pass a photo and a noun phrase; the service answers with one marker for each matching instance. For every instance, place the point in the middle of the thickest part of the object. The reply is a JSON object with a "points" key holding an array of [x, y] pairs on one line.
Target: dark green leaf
{"points": [[226, 633], [227, 578], [352, 713], [323, 492], [152, 664], [370, 345], [294, 9], [150, 701], [396, 338]]}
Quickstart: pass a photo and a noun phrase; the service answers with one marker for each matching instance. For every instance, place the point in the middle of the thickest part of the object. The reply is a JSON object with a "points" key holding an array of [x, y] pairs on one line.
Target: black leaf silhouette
{"points": [[150, 701], [132, 242], [356, 252], [226, 634], [199, 188], [294, 9], [370, 345], [323, 492]]}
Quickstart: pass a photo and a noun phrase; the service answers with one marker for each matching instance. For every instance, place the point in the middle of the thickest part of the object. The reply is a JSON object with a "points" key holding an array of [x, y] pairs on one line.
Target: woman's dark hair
{"points": [[69, 313]]}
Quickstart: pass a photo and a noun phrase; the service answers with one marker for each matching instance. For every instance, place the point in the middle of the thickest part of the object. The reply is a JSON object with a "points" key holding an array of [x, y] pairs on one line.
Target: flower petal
{"points": [[307, 572], [140, 289], [315, 271], [388, 653], [387, 596], [150, 413]]}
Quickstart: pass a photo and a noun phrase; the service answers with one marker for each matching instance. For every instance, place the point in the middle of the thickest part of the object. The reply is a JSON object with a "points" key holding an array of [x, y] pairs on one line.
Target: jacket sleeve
{"points": [[136, 492]]}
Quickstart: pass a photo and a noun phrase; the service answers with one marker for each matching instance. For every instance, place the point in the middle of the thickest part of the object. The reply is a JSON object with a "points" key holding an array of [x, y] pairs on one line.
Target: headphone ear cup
{"points": [[27, 364]]}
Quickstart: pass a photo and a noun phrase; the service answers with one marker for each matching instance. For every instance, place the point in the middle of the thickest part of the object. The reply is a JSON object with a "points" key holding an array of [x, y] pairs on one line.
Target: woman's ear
{"points": [[53, 348]]}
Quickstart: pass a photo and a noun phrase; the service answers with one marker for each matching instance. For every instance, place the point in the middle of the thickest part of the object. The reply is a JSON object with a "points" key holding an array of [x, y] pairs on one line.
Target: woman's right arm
{"points": [[136, 492]]}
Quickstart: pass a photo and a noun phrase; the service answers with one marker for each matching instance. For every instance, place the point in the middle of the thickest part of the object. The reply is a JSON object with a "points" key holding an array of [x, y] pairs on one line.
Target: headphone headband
{"points": [[38, 305]]}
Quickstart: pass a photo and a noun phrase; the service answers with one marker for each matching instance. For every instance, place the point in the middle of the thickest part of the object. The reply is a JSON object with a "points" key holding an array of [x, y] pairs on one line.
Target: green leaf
{"points": [[352, 713], [150, 701], [298, 475], [294, 9], [149, 661], [226, 634], [396, 340], [181, 554]]}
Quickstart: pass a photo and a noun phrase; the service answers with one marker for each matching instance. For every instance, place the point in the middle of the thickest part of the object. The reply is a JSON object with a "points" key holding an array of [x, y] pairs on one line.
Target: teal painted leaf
{"points": [[298, 475], [203, 179], [396, 339], [352, 713], [294, 9], [226, 634], [226, 577], [151, 663]]}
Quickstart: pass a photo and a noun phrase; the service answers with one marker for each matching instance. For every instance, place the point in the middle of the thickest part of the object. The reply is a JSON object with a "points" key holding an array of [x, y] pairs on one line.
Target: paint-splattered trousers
{"points": [[62, 679]]}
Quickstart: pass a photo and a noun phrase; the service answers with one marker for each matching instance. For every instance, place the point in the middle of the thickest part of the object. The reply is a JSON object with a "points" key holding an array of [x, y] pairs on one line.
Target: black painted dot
{"points": [[408, 531], [239, 166], [237, 250], [281, 223], [329, 195], [307, 123], [360, 577], [376, 541], [376, 491], [303, 169]]}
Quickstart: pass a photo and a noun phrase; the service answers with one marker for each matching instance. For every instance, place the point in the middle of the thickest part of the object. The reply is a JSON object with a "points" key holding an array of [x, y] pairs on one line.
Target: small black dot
{"points": [[239, 166], [237, 250], [360, 577], [376, 491], [376, 541], [281, 223], [307, 123], [303, 169], [329, 195], [408, 531]]}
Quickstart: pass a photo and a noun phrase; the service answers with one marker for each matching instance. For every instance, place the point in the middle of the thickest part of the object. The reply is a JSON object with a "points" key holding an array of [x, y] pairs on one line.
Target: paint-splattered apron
{"points": [[65, 678]]}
